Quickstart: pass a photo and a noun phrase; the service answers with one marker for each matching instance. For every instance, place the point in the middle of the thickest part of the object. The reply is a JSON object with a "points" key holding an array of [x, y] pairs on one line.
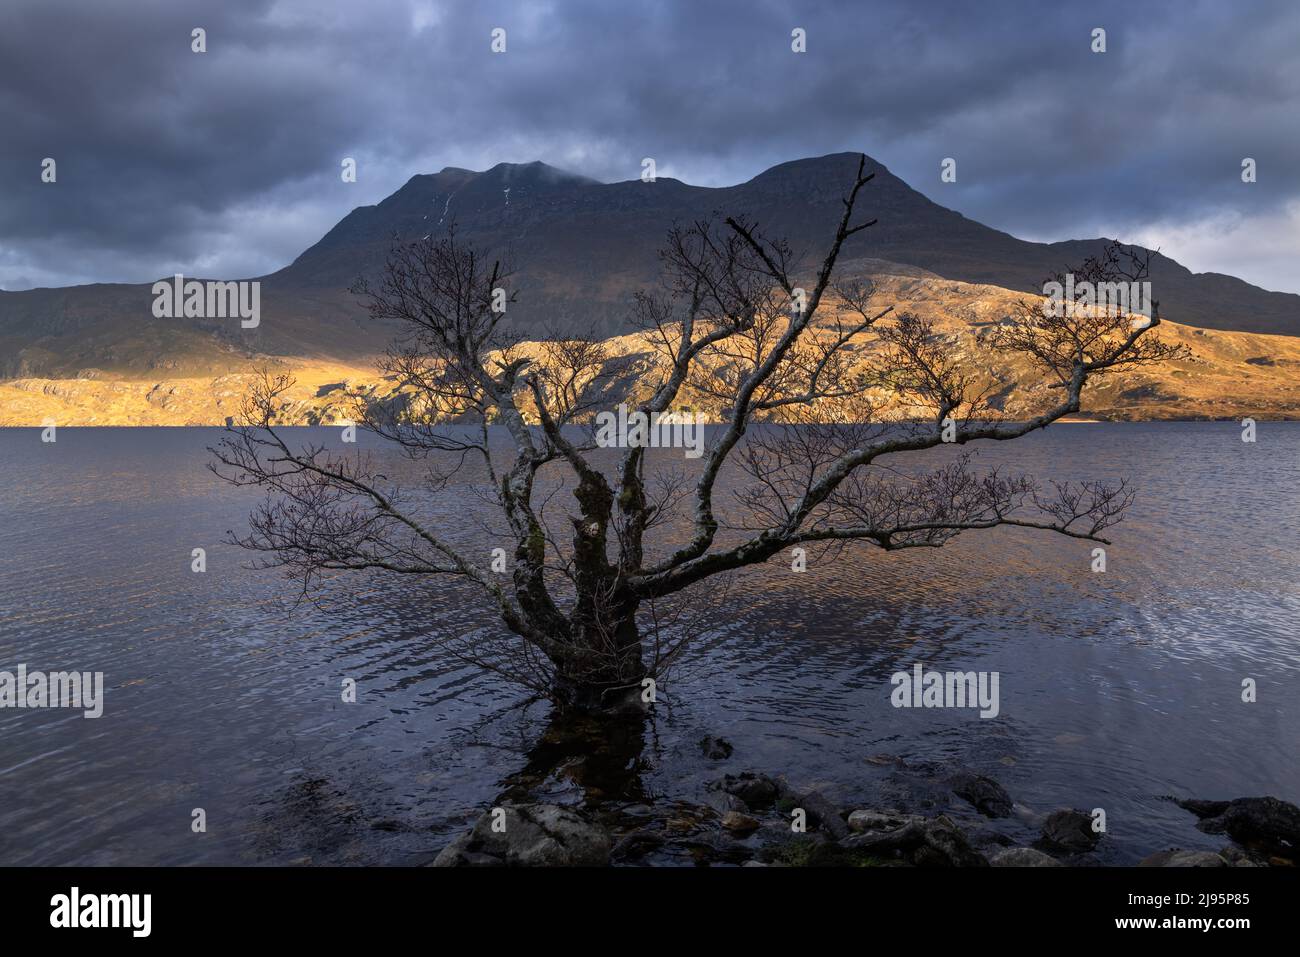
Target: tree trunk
{"points": [[604, 670]]}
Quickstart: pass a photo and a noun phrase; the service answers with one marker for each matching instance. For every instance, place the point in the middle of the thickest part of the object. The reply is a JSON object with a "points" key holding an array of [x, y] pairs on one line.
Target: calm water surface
{"points": [[1116, 689]]}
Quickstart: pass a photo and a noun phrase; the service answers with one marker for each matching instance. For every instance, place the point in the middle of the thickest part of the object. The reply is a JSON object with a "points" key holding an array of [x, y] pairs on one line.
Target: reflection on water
{"points": [[1116, 689]]}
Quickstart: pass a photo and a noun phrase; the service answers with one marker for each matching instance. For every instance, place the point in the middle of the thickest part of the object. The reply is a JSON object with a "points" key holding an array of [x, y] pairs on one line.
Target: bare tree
{"points": [[732, 329]]}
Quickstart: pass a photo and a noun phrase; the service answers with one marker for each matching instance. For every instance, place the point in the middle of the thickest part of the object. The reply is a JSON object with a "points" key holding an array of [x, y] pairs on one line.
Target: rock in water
{"points": [[533, 835], [984, 794], [920, 841], [1070, 830], [1260, 823], [946, 846], [1177, 857], [822, 814], [756, 790], [739, 823], [716, 749], [862, 821], [1023, 857], [455, 853]]}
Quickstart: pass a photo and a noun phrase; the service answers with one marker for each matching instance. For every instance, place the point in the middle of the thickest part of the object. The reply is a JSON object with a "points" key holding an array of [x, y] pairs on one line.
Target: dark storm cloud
{"points": [[227, 163]]}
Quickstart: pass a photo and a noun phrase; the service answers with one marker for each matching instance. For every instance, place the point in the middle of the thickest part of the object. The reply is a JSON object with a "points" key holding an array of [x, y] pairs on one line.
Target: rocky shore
{"points": [[751, 819]]}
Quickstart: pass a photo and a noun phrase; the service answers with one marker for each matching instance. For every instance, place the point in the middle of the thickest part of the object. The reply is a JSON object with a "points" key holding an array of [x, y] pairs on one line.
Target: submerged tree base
{"points": [[593, 699]]}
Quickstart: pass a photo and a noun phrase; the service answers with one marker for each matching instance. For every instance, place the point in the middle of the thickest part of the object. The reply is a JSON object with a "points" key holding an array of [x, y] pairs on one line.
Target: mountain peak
{"points": [[835, 170], [586, 247], [534, 173]]}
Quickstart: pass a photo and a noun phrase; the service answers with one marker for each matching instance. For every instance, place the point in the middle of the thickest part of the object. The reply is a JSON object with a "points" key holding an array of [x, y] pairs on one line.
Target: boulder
{"points": [[1236, 857], [1177, 857], [1264, 824], [716, 847], [860, 821], [722, 802], [946, 846], [534, 835], [822, 814], [924, 843], [1022, 857], [716, 749], [984, 794], [1070, 830], [804, 850], [636, 844], [906, 836], [739, 823], [454, 854], [756, 790], [918, 788]]}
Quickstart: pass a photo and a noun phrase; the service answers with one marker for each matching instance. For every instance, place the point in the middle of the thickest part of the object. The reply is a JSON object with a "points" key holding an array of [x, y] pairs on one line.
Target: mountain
{"points": [[584, 246], [581, 248]]}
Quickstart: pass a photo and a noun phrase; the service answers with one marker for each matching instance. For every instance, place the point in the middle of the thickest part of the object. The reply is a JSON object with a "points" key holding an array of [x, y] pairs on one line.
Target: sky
{"points": [[227, 163]]}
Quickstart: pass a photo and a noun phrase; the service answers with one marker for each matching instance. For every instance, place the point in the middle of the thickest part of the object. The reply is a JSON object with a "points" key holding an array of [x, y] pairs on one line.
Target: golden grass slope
{"points": [[1228, 375]]}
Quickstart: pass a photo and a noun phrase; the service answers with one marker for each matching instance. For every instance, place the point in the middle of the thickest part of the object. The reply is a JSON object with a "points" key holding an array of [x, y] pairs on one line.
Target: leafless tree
{"points": [[734, 330]]}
